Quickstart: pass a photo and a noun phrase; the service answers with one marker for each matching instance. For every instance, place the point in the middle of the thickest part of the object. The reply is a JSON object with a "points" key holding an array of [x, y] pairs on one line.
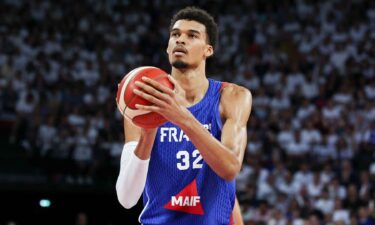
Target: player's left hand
{"points": [[171, 104]]}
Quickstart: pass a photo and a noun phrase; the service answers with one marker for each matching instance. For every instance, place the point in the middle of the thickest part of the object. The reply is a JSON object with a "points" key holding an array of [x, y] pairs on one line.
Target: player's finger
{"points": [[175, 84], [149, 97], [152, 91], [172, 80], [177, 87], [158, 86], [151, 108]]}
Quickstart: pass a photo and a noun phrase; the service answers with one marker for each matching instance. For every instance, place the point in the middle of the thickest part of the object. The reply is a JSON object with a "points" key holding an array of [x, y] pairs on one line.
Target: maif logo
{"points": [[187, 200]]}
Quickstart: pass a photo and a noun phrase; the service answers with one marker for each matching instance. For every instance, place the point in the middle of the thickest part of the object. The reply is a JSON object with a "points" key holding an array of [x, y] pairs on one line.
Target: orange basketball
{"points": [[126, 99]]}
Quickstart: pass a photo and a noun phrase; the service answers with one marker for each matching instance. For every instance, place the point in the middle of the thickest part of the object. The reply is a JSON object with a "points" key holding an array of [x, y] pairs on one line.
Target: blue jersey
{"points": [[181, 189]]}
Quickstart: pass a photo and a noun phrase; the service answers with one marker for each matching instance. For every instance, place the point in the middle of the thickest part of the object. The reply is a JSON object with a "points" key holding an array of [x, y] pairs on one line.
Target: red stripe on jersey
{"points": [[223, 85]]}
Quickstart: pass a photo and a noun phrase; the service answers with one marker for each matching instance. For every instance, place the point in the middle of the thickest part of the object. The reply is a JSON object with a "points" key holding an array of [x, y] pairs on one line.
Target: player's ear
{"points": [[209, 51]]}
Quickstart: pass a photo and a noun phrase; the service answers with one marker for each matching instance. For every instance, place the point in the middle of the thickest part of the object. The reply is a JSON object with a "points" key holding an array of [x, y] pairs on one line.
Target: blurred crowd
{"points": [[310, 66]]}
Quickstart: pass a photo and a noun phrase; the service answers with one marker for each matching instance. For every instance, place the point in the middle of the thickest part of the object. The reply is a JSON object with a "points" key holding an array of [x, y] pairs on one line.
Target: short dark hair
{"points": [[201, 16]]}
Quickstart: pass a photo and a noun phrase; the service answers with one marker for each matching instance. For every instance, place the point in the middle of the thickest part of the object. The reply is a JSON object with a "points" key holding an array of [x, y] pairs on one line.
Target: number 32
{"points": [[185, 159]]}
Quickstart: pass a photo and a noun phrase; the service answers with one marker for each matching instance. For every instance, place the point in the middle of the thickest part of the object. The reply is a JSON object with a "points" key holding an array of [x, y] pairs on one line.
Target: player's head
{"points": [[193, 35]]}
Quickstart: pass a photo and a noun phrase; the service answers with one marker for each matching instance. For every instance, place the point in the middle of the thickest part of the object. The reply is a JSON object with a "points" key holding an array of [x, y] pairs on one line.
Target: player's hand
{"points": [[171, 104], [179, 92]]}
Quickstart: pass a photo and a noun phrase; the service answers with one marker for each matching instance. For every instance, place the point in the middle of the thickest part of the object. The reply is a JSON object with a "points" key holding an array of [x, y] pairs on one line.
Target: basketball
{"points": [[126, 99]]}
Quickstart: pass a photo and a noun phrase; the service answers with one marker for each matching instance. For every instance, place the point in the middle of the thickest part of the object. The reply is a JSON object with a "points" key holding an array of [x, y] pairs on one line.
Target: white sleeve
{"points": [[132, 178]]}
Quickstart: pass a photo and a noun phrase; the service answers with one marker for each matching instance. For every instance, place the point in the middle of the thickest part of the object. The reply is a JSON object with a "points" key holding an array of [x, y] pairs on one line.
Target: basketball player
{"points": [[186, 168]]}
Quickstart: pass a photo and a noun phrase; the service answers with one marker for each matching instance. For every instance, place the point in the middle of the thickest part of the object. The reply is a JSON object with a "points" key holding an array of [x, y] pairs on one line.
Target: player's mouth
{"points": [[179, 51]]}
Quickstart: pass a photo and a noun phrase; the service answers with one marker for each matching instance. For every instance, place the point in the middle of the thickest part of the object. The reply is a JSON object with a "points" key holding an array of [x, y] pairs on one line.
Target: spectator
{"points": [[364, 217], [336, 190], [340, 213], [325, 204], [315, 186], [263, 213], [353, 202]]}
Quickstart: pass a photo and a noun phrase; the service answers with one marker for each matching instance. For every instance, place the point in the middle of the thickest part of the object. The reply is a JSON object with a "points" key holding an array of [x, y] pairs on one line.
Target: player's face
{"points": [[187, 46]]}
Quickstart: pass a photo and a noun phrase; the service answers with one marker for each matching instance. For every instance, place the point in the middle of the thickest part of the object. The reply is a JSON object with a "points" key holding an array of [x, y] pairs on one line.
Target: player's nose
{"points": [[180, 40]]}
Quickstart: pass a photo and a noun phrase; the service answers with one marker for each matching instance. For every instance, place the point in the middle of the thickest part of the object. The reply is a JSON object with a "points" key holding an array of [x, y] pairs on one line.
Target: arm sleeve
{"points": [[132, 178]]}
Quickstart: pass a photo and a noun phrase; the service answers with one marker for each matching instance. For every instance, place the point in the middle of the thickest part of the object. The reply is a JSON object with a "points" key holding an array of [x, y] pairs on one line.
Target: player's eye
{"points": [[175, 34]]}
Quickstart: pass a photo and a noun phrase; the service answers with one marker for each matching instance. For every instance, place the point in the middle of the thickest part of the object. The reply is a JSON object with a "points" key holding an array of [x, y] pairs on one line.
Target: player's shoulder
{"points": [[235, 100], [234, 92]]}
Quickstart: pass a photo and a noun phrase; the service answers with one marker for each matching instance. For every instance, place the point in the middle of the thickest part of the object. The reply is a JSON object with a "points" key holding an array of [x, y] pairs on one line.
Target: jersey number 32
{"points": [[184, 157]]}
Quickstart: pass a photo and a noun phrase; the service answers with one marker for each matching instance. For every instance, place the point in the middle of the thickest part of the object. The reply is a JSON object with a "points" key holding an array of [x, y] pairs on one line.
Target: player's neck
{"points": [[193, 81]]}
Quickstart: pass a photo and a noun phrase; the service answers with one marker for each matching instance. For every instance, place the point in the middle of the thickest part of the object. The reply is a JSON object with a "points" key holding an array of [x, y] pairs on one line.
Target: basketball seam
{"points": [[126, 80], [131, 79]]}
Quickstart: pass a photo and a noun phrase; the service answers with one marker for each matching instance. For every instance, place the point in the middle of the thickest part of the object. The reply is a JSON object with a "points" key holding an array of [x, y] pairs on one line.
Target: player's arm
{"points": [[237, 216], [134, 163], [224, 157], [144, 137]]}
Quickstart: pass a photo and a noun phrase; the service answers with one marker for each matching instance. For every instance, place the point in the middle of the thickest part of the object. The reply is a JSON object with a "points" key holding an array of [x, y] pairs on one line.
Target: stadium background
{"points": [[309, 64]]}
